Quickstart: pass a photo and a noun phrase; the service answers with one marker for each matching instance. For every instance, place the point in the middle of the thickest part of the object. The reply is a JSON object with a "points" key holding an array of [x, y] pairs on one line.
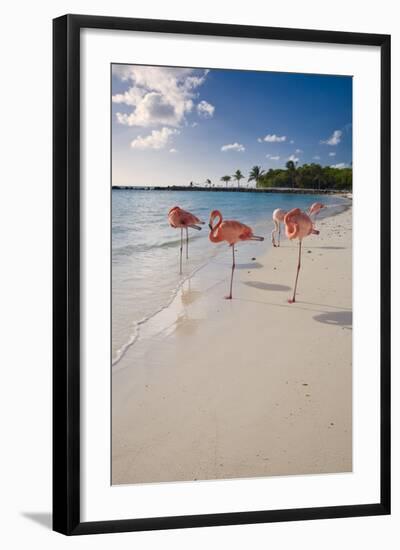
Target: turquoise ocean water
{"points": [[145, 249]]}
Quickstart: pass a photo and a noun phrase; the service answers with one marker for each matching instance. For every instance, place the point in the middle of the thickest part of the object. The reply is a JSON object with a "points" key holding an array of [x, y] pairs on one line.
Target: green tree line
{"points": [[307, 176]]}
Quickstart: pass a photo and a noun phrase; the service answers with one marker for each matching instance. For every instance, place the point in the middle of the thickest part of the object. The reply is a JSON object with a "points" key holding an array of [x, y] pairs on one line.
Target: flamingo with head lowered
{"points": [[278, 216], [181, 219], [232, 232], [298, 225]]}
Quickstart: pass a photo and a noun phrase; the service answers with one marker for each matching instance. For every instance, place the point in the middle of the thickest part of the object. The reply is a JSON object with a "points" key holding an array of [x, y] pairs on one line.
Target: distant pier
{"points": [[295, 190]]}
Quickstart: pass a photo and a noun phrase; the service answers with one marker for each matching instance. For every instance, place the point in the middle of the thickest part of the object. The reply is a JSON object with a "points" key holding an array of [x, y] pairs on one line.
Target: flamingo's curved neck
{"points": [[214, 227]]}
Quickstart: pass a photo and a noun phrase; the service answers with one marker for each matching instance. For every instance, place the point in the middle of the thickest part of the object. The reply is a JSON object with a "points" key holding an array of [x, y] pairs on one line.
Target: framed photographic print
{"points": [[221, 274]]}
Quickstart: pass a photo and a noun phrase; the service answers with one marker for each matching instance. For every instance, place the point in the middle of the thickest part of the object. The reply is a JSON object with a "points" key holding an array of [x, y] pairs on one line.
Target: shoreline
{"points": [[214, 389], [261, 227]]}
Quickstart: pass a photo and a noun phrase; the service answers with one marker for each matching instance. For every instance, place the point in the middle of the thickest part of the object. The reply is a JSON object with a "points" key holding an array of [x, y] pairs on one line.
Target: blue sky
{"points": [[171, 126]]}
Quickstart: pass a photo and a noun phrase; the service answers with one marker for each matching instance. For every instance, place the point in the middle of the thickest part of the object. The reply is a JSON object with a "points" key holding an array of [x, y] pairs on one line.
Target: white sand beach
{"points": [[250, 387]]}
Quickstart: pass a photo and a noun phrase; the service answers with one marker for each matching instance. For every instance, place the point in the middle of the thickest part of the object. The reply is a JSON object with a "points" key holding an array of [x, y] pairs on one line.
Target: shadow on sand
{"points": [[336, 318], [267, 286], [328, 247]]}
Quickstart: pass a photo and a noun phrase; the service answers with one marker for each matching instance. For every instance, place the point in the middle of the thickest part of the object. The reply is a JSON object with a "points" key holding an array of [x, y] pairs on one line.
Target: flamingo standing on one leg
{"points": [[232, 232], [298, 225], [182, 219], [315, 209], [277, 216]]}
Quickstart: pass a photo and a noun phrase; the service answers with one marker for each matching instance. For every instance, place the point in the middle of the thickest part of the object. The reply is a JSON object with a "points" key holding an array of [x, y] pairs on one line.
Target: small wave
{"points": [[123, 349], [136, 327], [130, 249]]}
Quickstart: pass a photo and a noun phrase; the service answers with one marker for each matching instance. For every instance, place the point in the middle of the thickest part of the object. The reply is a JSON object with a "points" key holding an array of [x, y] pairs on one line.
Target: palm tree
{"points": [[255, 174], [238, 176], [208, 182], [226, 179]]}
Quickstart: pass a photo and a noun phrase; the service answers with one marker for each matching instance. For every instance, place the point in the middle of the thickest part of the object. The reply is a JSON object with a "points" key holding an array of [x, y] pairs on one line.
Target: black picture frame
{"points": [[66, 273]]}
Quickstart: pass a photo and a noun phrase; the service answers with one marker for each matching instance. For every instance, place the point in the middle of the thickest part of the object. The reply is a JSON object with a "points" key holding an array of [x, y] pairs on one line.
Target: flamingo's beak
{"points": [[210, 226]]}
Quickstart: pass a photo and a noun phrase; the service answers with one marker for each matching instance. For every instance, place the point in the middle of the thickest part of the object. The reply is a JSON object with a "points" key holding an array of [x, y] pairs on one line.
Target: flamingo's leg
{"points": [[233, 269], [180, 258], [292, 301], [279, 234], [273, 234], [187, 243]]}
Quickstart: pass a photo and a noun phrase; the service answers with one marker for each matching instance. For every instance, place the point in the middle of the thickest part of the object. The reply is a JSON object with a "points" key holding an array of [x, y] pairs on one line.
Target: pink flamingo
{"points": [[298, 225], [232, 232], [179, 218], [315, 209], [277, 216]]}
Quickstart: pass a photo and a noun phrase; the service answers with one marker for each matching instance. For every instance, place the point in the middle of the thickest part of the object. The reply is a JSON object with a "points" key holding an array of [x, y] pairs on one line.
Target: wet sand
{"points": [[251, 387]]}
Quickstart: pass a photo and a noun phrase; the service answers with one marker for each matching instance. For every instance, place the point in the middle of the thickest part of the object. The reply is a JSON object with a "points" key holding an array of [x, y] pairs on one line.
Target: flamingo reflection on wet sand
{"points": [[232, 232]]}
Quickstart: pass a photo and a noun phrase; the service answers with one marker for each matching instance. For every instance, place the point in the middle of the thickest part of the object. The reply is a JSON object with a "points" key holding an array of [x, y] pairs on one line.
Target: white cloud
{"points": [[272, 157], [316, 157], [158, 139], [291, 141], [293, 158], [156, 95], [335, 138], [233, 147], [339, 165], [194, 124], [260, 140], [298, 151], [205, 109], [273, 138], [172, 150], [332, 154]]}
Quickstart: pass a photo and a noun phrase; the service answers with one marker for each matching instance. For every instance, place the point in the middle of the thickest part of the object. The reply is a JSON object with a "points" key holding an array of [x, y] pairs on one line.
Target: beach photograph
{"points": [[231, 226]]}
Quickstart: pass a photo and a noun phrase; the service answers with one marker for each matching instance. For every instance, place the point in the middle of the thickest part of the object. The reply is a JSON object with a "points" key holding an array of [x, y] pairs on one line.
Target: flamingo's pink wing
{"points": [[245, 232], [191, 218], [187, 218], [174, 216]]}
